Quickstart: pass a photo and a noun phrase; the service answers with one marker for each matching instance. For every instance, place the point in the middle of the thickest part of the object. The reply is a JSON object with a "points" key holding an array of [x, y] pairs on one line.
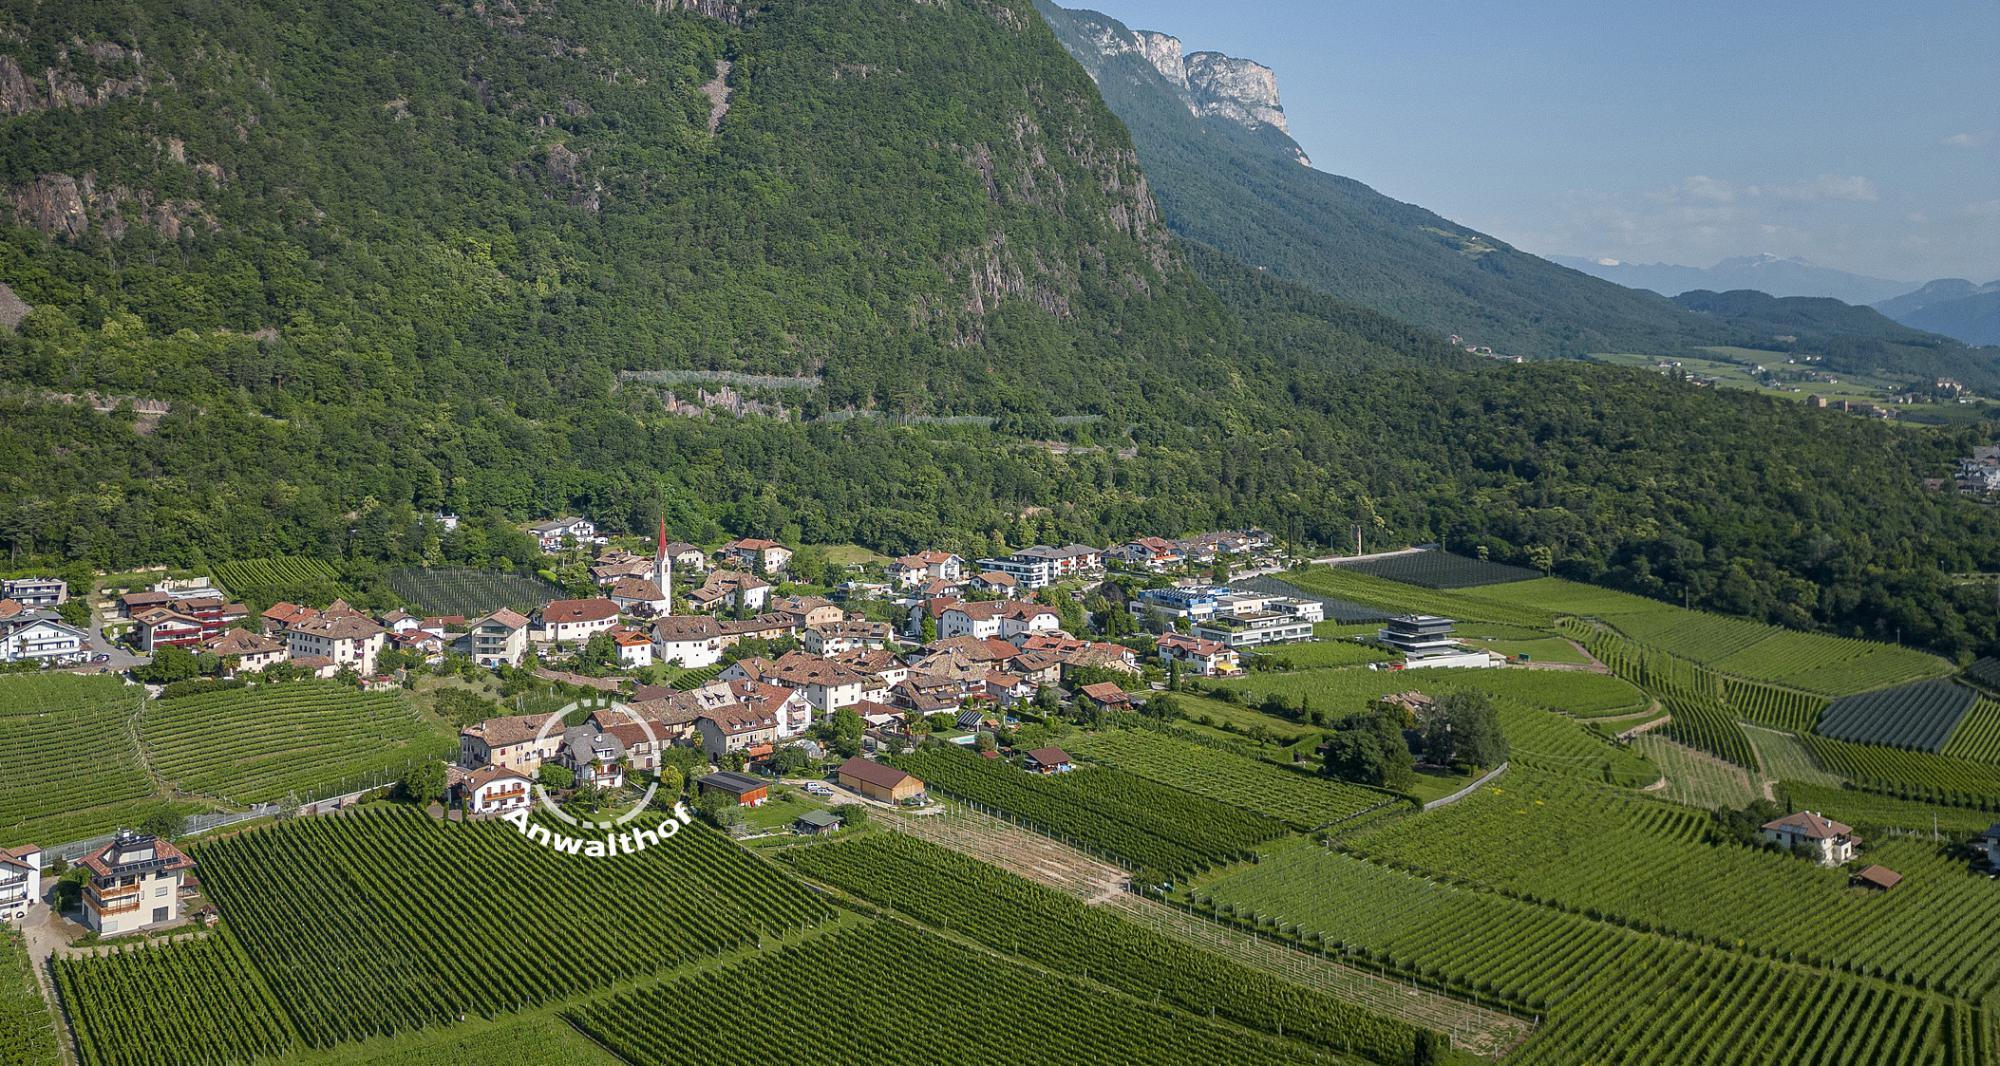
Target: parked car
{"points": [[819, 788], [101, 657]]}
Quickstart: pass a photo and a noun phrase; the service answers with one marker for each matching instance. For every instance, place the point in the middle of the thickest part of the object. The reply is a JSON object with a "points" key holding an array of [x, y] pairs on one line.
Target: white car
{"points": [[818, 788]]}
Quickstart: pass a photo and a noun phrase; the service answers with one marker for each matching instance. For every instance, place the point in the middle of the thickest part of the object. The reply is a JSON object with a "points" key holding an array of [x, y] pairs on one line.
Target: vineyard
{"points": [[1607, 994], [69, 767], [1594, 850], [385, 921], [1978, 733], [1871, 811], [1348, 691], [1696, 778], [265, 742], [712, 1018], [1158, 829], [1558, 745], [1323, 653], [27, 1033], [1394, 597], [1706, 725], [947, 890], [1300, 800], [186, 1002], [1442, 570], [471, 593], [286, 577], [1907, 773], [1917, 717]]}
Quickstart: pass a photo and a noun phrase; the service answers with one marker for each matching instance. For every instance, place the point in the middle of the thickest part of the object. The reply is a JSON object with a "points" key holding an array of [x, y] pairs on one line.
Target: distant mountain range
{"points": [[1954, 307], [1769, 274]]}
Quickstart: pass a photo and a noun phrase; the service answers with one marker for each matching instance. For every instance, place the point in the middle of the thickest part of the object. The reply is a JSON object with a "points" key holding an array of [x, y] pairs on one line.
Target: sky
{"points": [[1864, 137]]}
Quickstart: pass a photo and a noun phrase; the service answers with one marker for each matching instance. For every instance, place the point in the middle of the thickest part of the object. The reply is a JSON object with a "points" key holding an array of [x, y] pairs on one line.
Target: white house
{"points": [[495, 790], [827, 685], [1204, 657], [838, 638], [981, 619], [349, 640], [1025, 619], [632, 593], [135, 882], [551, 534], [20, 881], [515, 743], [244, 652], [500, 637], [635, 648], [911, 571], [758, 556], [30, 636], [1829, 842], [575, 621], [692, 641], [35, 591]]}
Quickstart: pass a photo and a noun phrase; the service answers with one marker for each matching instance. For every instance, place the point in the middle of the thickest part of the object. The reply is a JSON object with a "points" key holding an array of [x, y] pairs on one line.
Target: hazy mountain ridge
{"points": [[1954, 307], [1772, 274]]}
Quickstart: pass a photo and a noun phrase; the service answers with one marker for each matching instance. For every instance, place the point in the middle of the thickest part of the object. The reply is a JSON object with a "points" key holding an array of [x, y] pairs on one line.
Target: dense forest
{"points": [[331, 268]]}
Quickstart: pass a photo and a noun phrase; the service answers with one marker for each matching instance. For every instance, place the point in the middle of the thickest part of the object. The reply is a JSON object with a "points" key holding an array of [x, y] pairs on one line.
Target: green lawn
{"points": [[1538, 649]]}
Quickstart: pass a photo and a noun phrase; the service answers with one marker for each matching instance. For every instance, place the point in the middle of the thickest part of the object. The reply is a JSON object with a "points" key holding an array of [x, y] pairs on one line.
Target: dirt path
{"points": [[1471, 1028], [1018, 851], [45, 934], [1645, 727]]}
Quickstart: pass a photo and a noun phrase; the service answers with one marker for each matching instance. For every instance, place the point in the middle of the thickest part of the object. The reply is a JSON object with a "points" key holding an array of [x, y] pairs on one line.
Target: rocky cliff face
{"points": [[1236, 89], [1211, 84]]}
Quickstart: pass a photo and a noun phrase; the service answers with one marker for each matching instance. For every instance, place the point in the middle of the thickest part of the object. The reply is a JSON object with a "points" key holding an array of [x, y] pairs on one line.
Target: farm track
{"points": [[1049, 862], [1018, 851], [1471, 1028]]}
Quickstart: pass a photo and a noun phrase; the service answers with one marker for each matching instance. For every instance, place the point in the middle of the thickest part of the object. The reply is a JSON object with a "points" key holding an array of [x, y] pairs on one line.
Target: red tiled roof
{"points": [[1810, 825], [563, 611], [1049, 756]]}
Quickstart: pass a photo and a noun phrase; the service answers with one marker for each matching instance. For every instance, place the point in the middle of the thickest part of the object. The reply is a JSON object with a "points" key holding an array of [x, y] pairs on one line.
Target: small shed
{"points": [[1049, 761], [815, 823], [748, 791], [1878, 877]]}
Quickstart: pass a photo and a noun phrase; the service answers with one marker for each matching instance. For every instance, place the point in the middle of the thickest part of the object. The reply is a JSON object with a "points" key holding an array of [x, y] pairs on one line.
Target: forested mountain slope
{"points": [[1855, 339], [303, 274], [1242, 189]]}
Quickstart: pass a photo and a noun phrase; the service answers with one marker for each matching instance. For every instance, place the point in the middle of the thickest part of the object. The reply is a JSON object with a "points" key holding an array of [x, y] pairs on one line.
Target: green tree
{"points": [[170, 664], [422, 782], [1464, 728], [165, 823], [555, 777]]}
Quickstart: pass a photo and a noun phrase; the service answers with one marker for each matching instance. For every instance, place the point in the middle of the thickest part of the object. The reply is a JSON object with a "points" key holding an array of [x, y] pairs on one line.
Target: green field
{"points": [[1597, 850], [321, 909], [472, 593], [27, 1032], [1606, 993], [69, 766], [946, 890], [178, 1002], [782, 1006], [1696, 778], [1161, 830], [1301, 800], [541, 1039], [265, 742], [1323, 653], [268, 581], [1870, 811], [1348, 691]]}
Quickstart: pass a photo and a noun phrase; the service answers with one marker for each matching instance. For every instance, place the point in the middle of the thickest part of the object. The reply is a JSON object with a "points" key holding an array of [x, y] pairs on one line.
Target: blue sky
{"points": [[1859, 136]]}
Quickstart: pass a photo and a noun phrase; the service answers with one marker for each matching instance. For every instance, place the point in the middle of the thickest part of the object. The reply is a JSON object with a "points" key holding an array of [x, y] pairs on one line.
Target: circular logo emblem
{"points": [[594, 754]]}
